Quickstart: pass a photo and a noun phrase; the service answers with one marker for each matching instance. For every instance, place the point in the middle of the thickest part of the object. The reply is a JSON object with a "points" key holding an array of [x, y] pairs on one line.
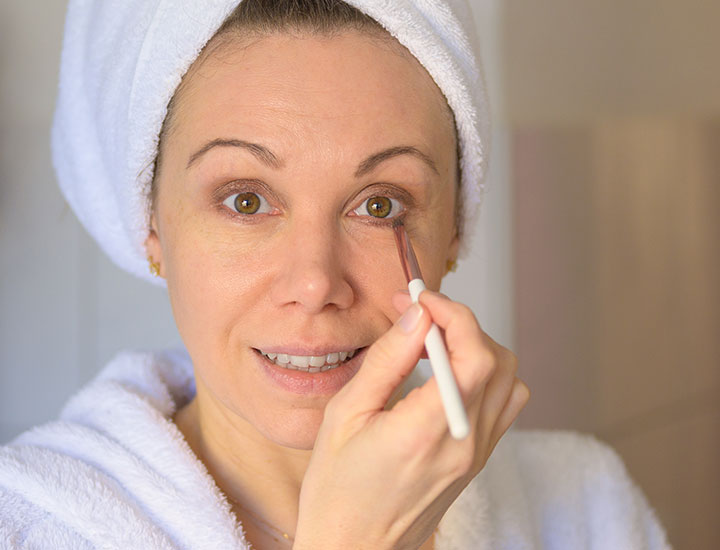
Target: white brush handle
{"points": [[440, 363]]}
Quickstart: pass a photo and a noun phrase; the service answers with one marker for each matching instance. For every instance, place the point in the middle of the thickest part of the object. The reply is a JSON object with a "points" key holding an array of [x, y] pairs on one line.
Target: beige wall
{"points": [[614, 111]]}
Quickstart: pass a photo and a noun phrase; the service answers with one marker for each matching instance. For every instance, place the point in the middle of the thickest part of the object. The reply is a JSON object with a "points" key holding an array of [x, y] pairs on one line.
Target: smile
{"points": [[310, 363]]}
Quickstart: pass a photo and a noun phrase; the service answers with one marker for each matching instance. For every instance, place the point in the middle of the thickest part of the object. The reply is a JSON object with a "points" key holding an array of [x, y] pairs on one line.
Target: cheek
{"points": [[436, 244], [432, 240], [212, 281], [372, 266]]}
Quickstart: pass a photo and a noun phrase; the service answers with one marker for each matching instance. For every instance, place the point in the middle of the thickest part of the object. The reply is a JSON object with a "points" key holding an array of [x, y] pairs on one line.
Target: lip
{"points": [[304, 350], [306, 383]]}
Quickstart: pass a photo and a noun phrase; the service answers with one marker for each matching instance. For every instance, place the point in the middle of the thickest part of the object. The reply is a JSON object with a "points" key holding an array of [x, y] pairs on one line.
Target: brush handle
{"points": [[440, 363]]}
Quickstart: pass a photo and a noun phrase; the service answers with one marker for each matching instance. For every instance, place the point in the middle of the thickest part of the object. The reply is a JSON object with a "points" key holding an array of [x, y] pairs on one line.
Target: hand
{"points": [[383, 479]]}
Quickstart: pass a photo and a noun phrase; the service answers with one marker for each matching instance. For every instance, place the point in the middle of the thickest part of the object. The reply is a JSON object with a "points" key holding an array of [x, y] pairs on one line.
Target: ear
{"points": [[153, 247], [454, 248]]}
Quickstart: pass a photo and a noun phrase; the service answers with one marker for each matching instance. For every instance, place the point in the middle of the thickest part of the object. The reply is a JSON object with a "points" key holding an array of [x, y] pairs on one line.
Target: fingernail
{"points": [[410, 318]]}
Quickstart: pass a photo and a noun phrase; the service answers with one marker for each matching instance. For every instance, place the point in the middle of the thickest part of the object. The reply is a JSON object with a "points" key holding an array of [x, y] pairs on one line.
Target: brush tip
{"points": [[397, 222]]}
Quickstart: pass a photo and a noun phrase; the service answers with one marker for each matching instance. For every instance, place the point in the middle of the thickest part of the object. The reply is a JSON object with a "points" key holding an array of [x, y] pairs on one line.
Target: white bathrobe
{"points": [[114, 472]]}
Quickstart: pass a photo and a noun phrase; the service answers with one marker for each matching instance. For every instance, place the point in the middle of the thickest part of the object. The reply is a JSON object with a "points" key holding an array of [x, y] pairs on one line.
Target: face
{"points": [[273, 214]]}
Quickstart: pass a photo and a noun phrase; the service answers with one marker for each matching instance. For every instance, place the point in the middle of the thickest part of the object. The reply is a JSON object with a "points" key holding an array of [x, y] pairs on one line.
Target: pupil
{"points": [[247, 203], [379, 207]]}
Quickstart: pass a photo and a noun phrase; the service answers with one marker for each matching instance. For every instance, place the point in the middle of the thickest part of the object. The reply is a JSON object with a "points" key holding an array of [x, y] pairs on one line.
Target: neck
{"points": [[261, 479]]}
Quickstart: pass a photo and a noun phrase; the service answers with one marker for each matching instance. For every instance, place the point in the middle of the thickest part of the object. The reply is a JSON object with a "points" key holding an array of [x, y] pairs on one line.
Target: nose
{"points": [[311, 272]]}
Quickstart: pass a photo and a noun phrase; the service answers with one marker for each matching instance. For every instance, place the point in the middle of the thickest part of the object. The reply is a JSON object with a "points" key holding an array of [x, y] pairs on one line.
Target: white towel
{"points": [[115, 473], [121, 62]]}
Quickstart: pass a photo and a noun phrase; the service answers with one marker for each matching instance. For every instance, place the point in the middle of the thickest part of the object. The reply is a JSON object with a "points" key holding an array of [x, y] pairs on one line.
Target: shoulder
{"points": [[25, 525], [548, 457], [53, 476], [574, 491]]}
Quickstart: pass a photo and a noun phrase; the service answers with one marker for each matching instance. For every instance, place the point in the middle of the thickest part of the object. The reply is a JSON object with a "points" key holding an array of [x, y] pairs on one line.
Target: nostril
{"points": [[312, 286]]}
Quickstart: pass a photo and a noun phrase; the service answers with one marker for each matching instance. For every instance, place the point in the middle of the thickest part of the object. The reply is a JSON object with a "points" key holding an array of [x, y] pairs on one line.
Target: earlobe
{"points": [[154, 250], [451, 262]]}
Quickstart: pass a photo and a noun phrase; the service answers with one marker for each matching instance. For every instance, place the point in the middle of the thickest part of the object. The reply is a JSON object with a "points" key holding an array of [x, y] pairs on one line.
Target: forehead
{"points": [[348, 89]]}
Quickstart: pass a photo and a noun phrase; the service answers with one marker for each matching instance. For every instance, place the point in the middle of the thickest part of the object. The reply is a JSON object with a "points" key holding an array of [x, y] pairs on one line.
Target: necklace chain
{"points": [[283, 534], [286, 537]]}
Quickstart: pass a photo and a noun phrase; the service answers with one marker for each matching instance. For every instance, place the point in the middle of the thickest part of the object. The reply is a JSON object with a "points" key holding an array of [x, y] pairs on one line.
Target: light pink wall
{"points": [[613, 110], [617, 303]]}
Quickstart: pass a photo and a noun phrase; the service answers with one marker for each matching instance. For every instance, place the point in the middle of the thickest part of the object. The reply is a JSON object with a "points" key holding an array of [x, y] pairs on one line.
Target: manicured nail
{"points": [[410, 318]]}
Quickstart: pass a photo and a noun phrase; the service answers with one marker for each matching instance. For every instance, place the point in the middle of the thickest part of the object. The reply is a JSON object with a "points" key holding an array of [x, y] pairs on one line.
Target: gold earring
{"points": [[451, 265], [154, 267]]}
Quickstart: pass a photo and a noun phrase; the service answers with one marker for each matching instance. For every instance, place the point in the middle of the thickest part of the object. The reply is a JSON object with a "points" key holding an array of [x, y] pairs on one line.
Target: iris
{"points": [[379, 207], [247, 203]]}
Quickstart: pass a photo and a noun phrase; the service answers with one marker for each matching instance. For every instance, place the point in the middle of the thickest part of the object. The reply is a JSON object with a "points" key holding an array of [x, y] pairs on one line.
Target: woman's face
{"points": [[273, 216]]}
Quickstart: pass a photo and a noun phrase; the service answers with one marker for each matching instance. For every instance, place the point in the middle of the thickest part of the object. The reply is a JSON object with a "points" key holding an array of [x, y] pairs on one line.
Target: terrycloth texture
{"points": [[115, 473], [122, 61]]}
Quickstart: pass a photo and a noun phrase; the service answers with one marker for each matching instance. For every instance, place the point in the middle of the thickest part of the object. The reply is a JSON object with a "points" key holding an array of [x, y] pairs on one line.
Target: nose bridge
{"points": [[310, 264]]}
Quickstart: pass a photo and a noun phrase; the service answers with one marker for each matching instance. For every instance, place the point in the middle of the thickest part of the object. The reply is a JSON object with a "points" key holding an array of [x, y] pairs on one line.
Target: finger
{"points": [[496, 393], [401, 300], [519, 397], [456, 319], [472, 352], [423, 407], [386, 365], [442, 308]]}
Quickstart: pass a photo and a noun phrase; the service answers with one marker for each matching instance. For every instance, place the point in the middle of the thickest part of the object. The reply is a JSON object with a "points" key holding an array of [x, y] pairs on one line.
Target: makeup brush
{"points": [[434, 344]]}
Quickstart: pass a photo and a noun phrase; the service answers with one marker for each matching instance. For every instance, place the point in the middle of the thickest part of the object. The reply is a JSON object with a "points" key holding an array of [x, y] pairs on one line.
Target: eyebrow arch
{"points": [[267, 157], [263, 154], [370, 163]]}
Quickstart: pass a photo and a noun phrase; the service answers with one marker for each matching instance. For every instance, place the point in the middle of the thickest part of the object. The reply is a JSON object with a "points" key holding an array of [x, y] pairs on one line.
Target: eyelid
{"points": [[392, 214], [264, 208], [390, 191], [222, 194], [269, 200], [224, 191], [393, 192]]}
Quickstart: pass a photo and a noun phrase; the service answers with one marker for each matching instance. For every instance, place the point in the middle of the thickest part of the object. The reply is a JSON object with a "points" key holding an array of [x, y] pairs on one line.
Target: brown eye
{"points": [[379, 207], [247, 203]]}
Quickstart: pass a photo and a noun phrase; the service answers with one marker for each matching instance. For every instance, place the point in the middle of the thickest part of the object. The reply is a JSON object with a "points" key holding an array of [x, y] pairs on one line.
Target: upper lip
{"points": [[304, 350]]}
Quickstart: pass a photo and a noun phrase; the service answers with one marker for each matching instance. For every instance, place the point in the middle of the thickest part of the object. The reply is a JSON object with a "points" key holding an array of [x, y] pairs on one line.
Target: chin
{"points": [[296, 430]]}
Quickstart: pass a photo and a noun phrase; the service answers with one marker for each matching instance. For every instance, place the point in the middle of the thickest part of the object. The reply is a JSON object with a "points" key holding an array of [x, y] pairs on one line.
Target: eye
{"points": [[380, 207], [247, 203]]}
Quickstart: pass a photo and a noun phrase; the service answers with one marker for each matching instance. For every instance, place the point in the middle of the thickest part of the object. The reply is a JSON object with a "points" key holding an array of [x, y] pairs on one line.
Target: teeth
{"points": [[300, 360], [310, 363]]}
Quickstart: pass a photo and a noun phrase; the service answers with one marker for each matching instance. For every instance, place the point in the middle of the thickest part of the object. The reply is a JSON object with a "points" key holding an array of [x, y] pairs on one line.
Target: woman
{"points": [[275, 169]]}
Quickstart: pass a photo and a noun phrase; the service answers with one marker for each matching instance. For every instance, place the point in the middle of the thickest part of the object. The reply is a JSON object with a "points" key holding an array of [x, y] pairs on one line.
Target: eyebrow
{"points": [[267, 157], [263, 154]]}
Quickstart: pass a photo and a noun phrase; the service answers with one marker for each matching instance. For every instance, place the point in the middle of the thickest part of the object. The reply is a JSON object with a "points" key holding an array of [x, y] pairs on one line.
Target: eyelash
{"points": [[395, 194], [376, 220]]}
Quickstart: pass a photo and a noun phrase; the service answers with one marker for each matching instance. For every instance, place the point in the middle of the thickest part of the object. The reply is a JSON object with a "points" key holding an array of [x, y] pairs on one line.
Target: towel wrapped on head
{"points": [[122, 61]]}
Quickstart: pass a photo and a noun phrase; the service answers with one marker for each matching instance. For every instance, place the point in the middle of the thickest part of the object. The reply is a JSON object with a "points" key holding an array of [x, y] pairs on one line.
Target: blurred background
{"points": [[595, 258]]}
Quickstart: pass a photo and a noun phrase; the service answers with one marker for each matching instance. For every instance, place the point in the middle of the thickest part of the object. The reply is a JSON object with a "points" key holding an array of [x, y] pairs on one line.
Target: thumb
{"points": [[387, 363]]}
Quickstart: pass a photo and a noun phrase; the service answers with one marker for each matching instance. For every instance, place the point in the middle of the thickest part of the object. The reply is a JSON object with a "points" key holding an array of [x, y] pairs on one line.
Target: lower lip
{"points": [[315, 383]]}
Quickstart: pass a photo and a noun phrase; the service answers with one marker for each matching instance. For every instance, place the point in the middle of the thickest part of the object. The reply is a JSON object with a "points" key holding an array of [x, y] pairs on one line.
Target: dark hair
{"points": [[257, 18], [318, 16]]}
